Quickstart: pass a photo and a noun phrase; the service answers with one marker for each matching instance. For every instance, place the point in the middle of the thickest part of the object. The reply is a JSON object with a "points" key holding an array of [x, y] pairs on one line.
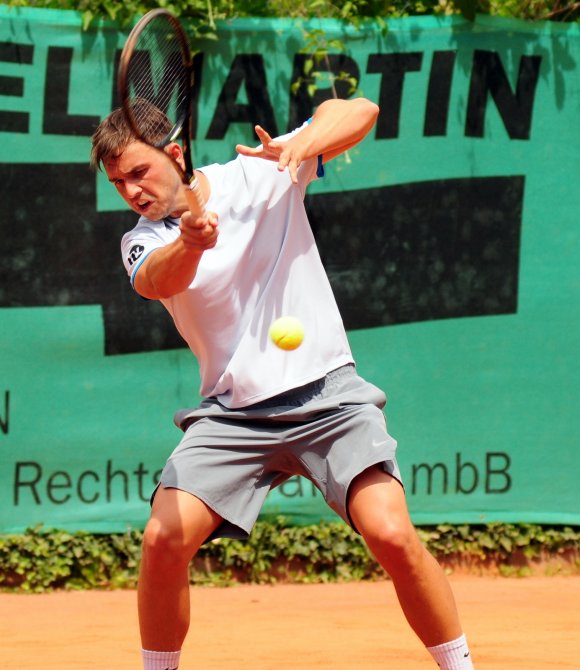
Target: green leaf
{"points": [[87, 18]]}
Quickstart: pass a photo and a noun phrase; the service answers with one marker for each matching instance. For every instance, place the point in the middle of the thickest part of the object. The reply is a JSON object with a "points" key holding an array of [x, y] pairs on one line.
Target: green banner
{"points": [[450, 236]]}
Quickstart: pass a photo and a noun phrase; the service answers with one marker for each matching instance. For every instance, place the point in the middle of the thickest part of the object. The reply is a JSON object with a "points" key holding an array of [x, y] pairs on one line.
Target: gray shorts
{"points": [[328, 431]]}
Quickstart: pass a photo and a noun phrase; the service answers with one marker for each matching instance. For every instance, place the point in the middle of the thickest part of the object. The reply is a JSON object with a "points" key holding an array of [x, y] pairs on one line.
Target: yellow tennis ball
{"points": [[287, 332]]}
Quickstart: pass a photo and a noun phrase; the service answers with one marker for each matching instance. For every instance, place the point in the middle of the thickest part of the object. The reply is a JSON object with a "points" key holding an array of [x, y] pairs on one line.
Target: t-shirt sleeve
{"points": [[137, 244]]}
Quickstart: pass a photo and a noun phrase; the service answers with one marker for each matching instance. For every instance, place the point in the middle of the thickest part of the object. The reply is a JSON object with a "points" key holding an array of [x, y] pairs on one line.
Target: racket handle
{"points": [[195, 198]]}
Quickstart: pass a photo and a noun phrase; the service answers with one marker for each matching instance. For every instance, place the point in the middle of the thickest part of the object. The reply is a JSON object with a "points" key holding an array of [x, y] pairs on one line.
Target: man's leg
{"points": [[178, 526], [378, 509]]}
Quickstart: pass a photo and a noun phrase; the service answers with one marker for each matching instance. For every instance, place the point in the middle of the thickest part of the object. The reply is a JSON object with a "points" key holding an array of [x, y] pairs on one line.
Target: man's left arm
{"points": [[336, 126]]}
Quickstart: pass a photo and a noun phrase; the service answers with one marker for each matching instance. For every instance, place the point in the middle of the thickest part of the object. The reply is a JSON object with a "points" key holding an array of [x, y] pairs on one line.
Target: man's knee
{"points": [[164, 543], [180, 523], [396, 537], [378, 508]]}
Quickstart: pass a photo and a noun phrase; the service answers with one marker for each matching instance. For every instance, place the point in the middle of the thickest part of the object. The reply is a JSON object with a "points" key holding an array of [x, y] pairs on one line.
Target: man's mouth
{"points": [[143, 205]]}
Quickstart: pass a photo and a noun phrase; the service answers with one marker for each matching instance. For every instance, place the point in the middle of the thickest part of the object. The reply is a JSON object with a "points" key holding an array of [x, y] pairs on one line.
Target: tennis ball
{"points": [[287, 333]]}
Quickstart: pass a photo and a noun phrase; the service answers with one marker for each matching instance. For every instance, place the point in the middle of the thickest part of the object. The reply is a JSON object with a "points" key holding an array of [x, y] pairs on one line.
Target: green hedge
{"points": [[42, 560]]}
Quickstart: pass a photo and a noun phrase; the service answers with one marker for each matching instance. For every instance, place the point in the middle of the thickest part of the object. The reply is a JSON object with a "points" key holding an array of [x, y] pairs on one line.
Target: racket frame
{"points": [[182, 127]]}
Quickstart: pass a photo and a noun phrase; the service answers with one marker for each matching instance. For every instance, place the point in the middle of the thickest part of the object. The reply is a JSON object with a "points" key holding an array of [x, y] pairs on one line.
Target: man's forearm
{"points": [[338, 125], [167, 271]]}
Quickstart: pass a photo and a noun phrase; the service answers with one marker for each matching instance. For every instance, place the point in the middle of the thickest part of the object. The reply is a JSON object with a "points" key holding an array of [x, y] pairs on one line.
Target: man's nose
{"points": [[132, 189]]}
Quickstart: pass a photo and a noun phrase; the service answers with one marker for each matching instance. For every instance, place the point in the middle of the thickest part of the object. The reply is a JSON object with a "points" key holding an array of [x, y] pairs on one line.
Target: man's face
{"points": [[147, 181]]}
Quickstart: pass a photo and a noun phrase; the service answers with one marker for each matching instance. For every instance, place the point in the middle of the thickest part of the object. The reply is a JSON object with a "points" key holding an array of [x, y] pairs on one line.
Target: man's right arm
{"points": [[169, 270]]}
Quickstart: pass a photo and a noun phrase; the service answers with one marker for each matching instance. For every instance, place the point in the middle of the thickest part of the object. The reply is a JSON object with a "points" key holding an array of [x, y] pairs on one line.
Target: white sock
{"points": [[160, 660], [452, 655]]}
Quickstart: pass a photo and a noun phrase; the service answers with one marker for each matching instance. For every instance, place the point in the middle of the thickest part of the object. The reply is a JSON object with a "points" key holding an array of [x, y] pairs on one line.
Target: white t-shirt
{"points": [[265, 265]]}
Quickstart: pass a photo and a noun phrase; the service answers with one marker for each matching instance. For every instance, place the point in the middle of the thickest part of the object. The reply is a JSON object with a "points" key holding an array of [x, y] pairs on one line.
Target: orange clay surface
{"points": [[530, 623]]}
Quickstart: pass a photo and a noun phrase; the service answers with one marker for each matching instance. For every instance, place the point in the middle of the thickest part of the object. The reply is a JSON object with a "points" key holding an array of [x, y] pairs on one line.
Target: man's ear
{"points": [[175, 151]]}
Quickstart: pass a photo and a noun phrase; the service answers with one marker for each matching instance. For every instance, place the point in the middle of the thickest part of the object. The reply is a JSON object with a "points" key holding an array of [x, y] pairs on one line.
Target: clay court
{"points": [[530, 623]]}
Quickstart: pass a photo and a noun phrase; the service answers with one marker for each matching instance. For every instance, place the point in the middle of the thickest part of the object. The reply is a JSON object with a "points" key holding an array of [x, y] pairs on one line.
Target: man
{"points": [[267, 414]]}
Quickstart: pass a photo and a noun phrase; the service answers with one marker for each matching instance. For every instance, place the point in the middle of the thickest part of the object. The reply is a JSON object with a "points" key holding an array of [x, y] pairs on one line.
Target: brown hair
{"points": [[114, 133]]}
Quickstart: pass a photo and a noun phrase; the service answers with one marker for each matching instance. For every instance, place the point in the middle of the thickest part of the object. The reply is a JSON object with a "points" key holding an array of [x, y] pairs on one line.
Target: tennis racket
{"points": [[154, 81]]}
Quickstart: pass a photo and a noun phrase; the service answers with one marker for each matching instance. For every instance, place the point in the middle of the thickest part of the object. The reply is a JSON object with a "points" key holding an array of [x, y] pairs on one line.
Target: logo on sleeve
{"points": [[135, 253]]}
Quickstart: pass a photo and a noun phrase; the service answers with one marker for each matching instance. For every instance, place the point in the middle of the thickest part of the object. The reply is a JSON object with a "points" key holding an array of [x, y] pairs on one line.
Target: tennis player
{"points": [[266, 414]]}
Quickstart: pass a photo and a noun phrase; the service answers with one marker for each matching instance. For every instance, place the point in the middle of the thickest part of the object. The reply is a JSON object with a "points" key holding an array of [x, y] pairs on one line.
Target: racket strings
{"points": [[158, 84]]}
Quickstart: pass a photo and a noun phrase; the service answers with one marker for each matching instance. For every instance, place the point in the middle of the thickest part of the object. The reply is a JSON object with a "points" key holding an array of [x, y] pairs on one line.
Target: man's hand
{"points": [[199, 233], [169, 270], [336, 126], [288, 154]]}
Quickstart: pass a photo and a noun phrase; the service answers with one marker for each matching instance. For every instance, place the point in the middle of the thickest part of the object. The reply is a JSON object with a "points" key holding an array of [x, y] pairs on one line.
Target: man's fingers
{"points": [[249, 151], [200, 232], [263, 135], [191, 221], [282, 152], [288, 161]]}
